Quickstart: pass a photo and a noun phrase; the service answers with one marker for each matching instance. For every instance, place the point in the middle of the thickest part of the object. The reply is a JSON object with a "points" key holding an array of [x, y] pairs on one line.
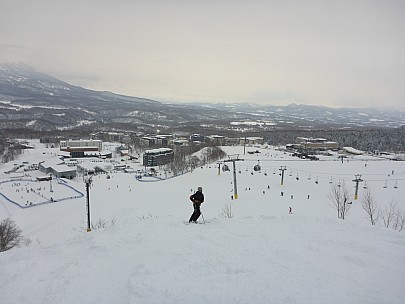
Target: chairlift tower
{"points": [[357, 180], [282, 169], [88, 180], [50, 182], [234, 158]]}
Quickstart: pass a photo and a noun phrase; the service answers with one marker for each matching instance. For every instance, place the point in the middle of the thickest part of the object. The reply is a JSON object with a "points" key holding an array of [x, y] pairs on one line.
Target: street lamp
{"points": [[87, 180]]}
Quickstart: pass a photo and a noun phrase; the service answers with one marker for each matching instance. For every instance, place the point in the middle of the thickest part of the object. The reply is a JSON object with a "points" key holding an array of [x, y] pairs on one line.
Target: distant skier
{"points": [[197, 199]]}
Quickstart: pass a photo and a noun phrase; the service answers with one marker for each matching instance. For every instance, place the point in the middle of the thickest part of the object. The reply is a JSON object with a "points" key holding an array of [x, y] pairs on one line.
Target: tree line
{"points": [[391, 140], [391, 216], [9, 150]]}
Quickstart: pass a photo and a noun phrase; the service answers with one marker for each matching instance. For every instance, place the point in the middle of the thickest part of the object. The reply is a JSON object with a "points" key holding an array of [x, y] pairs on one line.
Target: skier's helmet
{"points": [[199, 188]]}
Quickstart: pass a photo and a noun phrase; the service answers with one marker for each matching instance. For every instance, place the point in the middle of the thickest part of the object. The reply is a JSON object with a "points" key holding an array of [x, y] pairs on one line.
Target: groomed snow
{"points": [[261, 255]]}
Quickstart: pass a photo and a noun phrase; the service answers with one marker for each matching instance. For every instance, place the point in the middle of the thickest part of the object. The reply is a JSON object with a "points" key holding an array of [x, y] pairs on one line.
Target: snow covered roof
{"points": [[64, 153], [97, 154], [352, 150], [91, 166], [160, 150], [52, 162], [62, 168]]}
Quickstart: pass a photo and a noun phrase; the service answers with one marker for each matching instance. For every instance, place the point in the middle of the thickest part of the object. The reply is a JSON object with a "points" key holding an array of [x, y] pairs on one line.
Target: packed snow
{"points": [[148, 253]]}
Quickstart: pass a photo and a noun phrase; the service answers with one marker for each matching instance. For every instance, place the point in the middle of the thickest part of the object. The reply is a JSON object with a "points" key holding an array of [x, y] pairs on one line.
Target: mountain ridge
{"points": [[34, 100]]}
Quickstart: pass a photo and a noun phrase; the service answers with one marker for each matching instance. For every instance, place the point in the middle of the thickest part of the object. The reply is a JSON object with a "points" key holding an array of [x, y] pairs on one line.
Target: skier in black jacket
{"points": [[197, 199]]}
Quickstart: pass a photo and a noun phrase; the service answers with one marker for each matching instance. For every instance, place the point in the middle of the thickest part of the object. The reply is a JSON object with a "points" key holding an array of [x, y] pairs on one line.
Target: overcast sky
{"points": [[333, 53]]}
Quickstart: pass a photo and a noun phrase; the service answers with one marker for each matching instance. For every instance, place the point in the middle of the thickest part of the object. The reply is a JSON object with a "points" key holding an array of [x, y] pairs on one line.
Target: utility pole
{"points": [[87, 180], [357, 180], [282, 169], [233, 159], [219, 168]]}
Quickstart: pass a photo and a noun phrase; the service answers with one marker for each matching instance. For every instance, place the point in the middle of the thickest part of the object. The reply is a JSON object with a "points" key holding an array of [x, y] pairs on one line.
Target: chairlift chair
{"points": [[225, 168], [257, 167]]}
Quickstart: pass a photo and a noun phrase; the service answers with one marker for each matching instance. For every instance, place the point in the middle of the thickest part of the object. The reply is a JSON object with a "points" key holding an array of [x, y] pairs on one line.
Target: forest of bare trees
{"points": [[184, 160], [391, 140], [8, 150]]}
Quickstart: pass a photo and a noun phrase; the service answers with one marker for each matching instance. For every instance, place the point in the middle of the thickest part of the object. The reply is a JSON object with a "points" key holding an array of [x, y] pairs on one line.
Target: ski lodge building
{"points": [[78, 148], [250, 140], [316, 143], [157, 157], [57, 168]]}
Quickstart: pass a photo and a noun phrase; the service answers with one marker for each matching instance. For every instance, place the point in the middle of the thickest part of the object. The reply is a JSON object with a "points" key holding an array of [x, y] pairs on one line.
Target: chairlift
{"points": [[365, 185], [290, 173], [225, 168], [309, 176], [316, 180], [385, 185], [396, 184], [331, 181], [257, 167], [297, 178]]}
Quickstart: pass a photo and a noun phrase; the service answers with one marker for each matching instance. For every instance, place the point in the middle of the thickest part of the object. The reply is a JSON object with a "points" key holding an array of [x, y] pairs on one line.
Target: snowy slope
{"points": [[261, 255]]}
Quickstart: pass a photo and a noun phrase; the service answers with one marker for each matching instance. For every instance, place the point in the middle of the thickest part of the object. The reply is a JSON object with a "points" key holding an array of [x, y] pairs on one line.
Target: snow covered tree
{"points": [[370, 206], [10, 235], [399, 221], [393, 217], [226, 211], [389, 213], [339, 196]]}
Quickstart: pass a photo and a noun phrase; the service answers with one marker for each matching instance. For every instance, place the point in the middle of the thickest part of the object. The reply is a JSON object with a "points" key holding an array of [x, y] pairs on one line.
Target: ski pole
{"points": [[203, 217]]}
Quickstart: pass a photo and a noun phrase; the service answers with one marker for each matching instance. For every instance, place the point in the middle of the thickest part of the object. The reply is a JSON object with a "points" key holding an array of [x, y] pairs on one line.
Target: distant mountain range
{"points": [[33, 100]]}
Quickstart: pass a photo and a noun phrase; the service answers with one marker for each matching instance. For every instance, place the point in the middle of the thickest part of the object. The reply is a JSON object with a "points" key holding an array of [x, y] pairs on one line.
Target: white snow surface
{"points": [[261, 255]]}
